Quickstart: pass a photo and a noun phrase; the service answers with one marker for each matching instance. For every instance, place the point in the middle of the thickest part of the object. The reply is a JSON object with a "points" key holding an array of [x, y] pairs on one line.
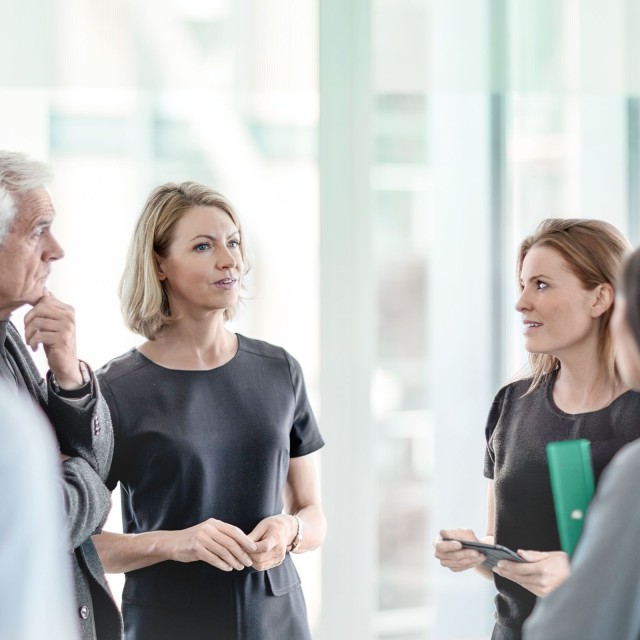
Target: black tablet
{"points": [[492, 552]]}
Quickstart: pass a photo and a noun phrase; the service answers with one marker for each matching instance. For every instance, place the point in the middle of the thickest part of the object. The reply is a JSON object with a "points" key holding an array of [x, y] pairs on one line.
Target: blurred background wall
{"points": [[386, 157]]}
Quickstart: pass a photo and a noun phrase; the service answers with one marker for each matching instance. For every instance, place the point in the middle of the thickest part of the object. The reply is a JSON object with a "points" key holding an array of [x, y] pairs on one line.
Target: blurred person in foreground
{"points": [[69, 397], [214, 436], [36, 589], [601, 598], [567, 271]]}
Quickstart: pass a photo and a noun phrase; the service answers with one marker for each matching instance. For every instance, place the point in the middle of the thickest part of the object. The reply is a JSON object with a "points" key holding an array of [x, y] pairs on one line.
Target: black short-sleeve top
{"points": [[193, 445], [518, 429]]}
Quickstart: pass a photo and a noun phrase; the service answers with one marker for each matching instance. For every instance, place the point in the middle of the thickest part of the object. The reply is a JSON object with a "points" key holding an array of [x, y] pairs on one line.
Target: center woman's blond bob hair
{"points": [[143, 298], [594, 251]]}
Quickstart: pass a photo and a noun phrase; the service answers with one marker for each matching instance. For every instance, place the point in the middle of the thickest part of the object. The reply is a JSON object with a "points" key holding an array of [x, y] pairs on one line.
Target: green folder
{"points": [[572, 485]]}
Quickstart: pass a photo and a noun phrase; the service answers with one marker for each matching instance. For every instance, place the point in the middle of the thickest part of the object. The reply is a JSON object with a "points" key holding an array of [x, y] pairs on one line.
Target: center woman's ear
{"points": [[604, 296], [159, 260]]}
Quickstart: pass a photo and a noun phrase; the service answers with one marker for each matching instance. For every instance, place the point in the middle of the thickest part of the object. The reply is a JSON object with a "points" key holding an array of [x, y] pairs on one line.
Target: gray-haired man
{"points": [[70, 396]]}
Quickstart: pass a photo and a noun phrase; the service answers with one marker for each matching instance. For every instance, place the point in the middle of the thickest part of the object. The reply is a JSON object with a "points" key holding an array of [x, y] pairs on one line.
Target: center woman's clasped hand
{"points": [[272, 536], [218, 543], [227, 547], [543, 572]]}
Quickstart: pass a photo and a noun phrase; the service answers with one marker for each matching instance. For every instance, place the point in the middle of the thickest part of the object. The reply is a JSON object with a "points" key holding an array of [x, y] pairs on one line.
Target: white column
{"points": [[460, 301], [347, 321]]}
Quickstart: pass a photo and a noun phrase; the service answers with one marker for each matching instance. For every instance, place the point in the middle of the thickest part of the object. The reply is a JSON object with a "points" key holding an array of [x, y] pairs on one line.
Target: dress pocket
{"points": [[283, 579]]}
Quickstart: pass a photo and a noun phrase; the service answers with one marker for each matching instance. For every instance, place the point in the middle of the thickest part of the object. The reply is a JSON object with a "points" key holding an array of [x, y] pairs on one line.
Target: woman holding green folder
{"points": [[566, 272]]}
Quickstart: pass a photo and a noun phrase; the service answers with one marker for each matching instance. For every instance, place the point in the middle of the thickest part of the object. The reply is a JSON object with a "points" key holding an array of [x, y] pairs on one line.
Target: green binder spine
{"points": [[572, 485]]}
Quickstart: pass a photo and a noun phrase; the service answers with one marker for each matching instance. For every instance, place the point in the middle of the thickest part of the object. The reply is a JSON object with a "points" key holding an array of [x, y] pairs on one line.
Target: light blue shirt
{"points": [[601, 598], [36, 589]]}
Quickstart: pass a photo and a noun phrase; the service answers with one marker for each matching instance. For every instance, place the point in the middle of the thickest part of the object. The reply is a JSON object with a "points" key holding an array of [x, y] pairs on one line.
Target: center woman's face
{"points": [[203, 270], [626, 346]]}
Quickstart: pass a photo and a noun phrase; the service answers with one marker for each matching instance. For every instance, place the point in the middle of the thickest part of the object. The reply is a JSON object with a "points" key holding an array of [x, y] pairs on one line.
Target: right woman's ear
{"points": [[159, 267]]}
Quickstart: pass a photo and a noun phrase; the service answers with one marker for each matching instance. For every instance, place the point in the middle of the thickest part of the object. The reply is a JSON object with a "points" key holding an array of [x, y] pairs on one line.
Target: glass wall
{"points": [[386, 157]]}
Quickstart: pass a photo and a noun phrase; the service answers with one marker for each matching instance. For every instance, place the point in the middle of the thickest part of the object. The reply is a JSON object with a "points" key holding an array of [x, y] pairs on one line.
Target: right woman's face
{"points": [[626, 346], [559, 315]]}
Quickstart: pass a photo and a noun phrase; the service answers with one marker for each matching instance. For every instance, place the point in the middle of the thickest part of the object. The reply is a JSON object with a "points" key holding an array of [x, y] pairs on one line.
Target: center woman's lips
{"points": [[226, 283]]}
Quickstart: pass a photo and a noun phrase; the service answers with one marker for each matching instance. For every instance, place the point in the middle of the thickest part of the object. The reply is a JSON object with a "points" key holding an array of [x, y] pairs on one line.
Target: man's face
{"points": [[27, 252]]}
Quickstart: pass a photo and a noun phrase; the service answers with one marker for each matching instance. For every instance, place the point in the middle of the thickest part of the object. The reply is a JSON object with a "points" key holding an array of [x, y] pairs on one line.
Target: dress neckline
{"points": [[552, 403], [164, 368]]}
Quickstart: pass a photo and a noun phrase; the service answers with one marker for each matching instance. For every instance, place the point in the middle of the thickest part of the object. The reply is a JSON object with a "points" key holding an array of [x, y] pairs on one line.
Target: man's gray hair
{"points": [[18, 175]]}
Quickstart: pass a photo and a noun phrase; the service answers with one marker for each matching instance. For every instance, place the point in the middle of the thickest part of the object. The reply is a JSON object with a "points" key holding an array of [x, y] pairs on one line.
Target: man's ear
{"points": [[159, 260], [604, 296]]}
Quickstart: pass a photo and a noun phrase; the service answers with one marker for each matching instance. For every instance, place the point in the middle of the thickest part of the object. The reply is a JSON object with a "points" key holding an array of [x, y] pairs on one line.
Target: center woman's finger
{"points": [[226, 554], [239, 536]]}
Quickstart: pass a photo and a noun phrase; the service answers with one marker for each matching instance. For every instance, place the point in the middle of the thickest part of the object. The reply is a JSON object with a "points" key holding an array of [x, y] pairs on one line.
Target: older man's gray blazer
{"points": [[83, 427]]}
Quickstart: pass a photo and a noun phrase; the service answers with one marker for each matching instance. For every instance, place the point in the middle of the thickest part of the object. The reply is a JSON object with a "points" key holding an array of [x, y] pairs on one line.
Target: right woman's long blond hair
{"points": [[594, 251]]}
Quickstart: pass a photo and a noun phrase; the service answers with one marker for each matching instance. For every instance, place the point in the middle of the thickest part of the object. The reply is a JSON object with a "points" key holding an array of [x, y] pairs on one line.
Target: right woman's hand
{"points": [[218, 543], [453, 555]]}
